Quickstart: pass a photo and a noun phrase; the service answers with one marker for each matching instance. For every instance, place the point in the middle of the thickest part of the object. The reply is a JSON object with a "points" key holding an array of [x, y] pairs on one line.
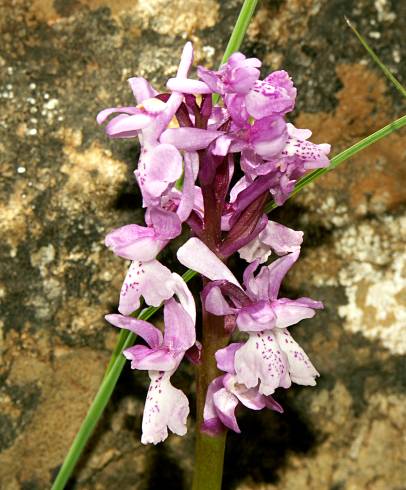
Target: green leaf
{"points": [[237, 36], [377, 60], [343, 156]]}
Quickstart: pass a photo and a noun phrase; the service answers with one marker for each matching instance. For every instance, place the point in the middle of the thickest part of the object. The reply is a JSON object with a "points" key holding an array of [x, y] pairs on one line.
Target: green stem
{"points": [[343, 156], [209, 461], [208, 467]]}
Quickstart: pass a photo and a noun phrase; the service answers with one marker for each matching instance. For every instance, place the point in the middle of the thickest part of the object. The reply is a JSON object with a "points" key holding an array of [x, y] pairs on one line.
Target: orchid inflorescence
{"points": [[214, 167]]}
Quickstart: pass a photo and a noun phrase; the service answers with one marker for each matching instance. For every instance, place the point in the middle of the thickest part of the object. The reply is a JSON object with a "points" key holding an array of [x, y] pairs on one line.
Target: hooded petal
{"points": [[225, 357], [256, 317], [147, 331], [195, 255], [165, 408], [134, 242], [225, 404], [261, 360], [301, 369], [211, 422], [146, 359], [180, 332], [166, 224], [151, 280]]}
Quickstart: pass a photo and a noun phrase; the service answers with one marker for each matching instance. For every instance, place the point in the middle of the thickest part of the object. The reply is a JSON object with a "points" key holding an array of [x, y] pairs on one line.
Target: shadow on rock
{"points": [[259, 452]]}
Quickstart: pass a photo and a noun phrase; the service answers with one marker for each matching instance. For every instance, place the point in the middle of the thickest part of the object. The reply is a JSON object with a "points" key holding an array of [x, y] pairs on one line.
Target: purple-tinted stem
{"points": [[248, 225]]}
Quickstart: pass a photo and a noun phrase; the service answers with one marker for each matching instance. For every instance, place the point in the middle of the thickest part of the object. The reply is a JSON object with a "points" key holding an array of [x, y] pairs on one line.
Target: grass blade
{"points": [[377, 60], [343, 156]]}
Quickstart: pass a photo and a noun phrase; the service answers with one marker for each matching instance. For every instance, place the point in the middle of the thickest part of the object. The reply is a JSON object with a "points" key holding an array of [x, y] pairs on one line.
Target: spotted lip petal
{"points": [[260, 360], [151, 280], [165, 408]]}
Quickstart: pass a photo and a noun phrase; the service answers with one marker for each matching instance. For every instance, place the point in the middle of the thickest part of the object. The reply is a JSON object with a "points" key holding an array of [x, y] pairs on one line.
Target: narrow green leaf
{"points": [[241, 26], [376, 58], [343, 156], [237, 36]]}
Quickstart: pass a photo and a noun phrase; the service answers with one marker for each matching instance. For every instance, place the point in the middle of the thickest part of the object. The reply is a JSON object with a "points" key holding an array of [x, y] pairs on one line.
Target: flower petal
{"points": [[184, 296], [151, 280], [125, 126], [166, 224], [165, 408], [211, 422], [249, 397], [180, 332], [195, 255], [261, 359], [134, 242], [141, 89], [281, 238], [189, 139], [147, 331], [105, 113], [256, 317], [289, 312], [162, 167], [187, 199], [277, 271], [188, 86], [146, 359], [214, 301], [225, 357], [225, 404], [301, 369]]}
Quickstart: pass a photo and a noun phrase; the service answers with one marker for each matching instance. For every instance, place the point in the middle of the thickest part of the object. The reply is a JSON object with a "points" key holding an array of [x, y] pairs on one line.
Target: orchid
{"points": [[166, 406], [225, 393], [217, 154], [200, 146]]}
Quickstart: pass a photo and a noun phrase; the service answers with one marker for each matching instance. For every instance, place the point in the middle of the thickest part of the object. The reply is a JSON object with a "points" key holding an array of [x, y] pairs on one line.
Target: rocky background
{"points": [[64, 185]]}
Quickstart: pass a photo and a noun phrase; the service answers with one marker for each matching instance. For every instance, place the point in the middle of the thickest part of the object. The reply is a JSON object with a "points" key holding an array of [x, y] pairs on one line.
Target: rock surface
{"points": [[64, 185]]}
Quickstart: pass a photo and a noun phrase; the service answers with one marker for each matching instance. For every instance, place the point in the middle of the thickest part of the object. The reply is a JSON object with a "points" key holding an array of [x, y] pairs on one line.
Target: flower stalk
{"points": [[209, 449]]}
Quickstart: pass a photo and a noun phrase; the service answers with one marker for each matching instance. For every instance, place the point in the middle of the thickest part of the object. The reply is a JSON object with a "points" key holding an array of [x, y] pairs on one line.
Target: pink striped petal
{"points": [[180, 332], [152, 335]]}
